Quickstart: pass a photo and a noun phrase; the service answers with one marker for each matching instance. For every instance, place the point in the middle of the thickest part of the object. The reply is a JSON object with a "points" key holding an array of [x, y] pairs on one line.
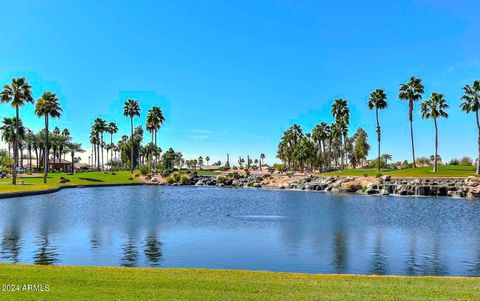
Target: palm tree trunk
{"points": [[30, 156], [378, 139], [131, 145], [98, 155], [411, 132], [36, 156], [15, 147], [73, 164], [436, 145], [101, 145], [45, 161], [111, 153], [478, 129]]}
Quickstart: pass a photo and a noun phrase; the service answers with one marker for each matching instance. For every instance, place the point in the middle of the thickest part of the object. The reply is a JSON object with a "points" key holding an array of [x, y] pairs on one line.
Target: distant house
{"points": [[62, 165]]}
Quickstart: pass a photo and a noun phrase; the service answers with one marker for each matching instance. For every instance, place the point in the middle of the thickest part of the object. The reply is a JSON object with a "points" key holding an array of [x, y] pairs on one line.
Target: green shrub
{"points": [[184, 179], [169, 180], [144, 170], [365, 175], [364, 188], [221, 179], [176, 176], [378, 175]]}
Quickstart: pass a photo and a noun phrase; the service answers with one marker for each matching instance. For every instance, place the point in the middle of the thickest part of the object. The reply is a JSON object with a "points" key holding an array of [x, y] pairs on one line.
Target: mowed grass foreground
{"points": [[103, 283], [35, 183], [420, 172]]}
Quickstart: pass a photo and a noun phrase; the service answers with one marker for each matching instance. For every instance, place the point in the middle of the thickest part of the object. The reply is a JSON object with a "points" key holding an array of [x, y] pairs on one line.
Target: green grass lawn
{"points": [[84, 178], [103, 283], [443, 171]]}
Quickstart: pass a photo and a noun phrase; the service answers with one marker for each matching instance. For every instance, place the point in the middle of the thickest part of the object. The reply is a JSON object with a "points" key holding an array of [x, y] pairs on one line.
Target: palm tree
{"points": [[341, 113], [18, 93], [47, 106], [411, 92], [387, 157], [100, 126], [434, 108], [155, 119], [471, 103], [262, 157], [112, 129], [207, 158], [74, 148], [131, 108], [378, 101]]}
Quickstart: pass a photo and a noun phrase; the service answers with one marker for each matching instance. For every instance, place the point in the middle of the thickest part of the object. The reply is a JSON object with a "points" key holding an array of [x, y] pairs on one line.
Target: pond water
{"points": [[207, 227]]}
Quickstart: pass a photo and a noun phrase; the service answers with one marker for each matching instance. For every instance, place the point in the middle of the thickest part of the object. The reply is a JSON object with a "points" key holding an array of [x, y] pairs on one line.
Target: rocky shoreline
{"points": [[445, 187]]}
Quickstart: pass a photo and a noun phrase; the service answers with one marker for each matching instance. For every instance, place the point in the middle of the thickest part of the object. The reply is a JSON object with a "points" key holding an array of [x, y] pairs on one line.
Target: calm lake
{"points": [[221, 228]]}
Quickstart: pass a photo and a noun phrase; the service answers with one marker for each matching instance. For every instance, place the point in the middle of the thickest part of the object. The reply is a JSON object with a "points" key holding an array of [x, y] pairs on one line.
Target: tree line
{"points": [[328, 146]]}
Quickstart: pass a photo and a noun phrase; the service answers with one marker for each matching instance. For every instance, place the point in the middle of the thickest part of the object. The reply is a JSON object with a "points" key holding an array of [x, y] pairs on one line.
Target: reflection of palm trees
{"points": [[46, 253], [130, 253], [153, 250], [11, 246], [412, 266], [379, 258], [340, 249], [94, 240], [435, 265]]}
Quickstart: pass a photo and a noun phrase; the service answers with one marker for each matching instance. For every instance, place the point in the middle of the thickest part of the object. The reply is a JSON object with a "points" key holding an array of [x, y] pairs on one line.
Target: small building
{"points": [[62, 165]]}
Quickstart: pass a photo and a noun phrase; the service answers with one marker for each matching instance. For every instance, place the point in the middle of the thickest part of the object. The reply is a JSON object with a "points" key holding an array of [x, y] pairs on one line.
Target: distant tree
{"points": [[207, 158], [341, 113], [200, 161], [471, 103], [131, 108], [378, 101], [411, 92], [262, 157], [387, 157], [434, 108], [361, 146]]}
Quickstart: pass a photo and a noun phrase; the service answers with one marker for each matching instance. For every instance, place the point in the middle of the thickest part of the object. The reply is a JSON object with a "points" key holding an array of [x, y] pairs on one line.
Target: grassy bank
{"points": [[443, 171], [92, 283], [35, 183]]}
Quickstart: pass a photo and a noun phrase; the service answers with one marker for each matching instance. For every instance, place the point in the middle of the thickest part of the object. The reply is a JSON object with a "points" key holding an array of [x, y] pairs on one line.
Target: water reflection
{"points": [[10, 251], [197, 227], [153, 251], [130, 253], [379, 264], [46, 254]]}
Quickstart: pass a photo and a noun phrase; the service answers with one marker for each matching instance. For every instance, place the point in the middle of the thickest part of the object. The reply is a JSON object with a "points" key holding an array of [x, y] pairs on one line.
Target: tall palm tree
{"points": [[471, 103], [155, 119], [47, 106], [131, 108], [434, 108], [100, 127], [341, 113], [18, 93], [378, 101], [112, 129], [411, 92]]}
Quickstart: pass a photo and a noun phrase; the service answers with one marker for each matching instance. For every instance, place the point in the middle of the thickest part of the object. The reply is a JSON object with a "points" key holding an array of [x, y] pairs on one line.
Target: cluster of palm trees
{"points": [[329, 142], [132, 153], [18, 138]]}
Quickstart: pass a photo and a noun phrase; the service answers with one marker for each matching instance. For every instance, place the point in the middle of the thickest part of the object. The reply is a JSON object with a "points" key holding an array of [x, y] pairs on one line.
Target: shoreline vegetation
{"points": [[108, 283], [33, 184]]}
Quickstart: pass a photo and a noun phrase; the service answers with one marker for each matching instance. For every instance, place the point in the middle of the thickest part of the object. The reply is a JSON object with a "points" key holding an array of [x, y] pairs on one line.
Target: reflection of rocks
{"points": [[46, 253]]}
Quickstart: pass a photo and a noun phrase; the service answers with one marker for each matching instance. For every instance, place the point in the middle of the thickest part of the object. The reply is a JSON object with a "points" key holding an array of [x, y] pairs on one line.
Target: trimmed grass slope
{"points": [[420, 172], [84, 178], [102, 283]]}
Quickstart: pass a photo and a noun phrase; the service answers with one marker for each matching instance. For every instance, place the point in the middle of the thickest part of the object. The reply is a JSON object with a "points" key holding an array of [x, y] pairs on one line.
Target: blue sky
{"points": [[231, 76]]}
